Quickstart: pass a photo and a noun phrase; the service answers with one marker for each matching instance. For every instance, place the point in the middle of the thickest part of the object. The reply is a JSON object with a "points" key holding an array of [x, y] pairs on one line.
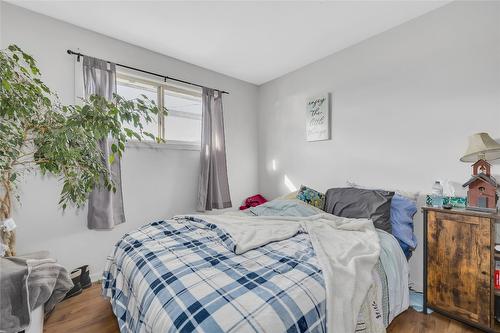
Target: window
{"points": [[182, 125], [183, 122]]}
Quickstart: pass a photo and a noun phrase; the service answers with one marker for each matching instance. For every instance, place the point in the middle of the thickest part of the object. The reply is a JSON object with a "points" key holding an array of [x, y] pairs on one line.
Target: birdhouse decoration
{"points": [[482, 193]]}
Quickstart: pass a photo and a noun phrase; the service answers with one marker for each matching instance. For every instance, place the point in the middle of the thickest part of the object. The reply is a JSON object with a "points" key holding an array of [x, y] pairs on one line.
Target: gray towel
{"points": [[27, 282]]}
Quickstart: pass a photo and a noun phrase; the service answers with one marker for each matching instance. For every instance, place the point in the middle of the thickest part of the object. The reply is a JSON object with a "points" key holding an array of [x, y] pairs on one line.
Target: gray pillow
{"points": [[361, 203]]}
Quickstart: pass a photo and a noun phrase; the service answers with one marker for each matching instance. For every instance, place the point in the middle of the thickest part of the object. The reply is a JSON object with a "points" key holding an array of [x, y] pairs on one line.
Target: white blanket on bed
{"points": [[347, 249]]}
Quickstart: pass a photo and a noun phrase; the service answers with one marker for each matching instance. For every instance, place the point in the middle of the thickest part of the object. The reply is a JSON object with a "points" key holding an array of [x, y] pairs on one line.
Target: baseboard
{"points": [[96, 277]]}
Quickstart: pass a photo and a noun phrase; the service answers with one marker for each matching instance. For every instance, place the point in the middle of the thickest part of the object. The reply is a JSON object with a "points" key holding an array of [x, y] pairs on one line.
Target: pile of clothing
{"points": [[26, 283]]}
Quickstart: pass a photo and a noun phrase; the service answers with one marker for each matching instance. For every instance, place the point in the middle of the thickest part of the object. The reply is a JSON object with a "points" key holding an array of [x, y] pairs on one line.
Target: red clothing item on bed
{"points": [[253, 201]]}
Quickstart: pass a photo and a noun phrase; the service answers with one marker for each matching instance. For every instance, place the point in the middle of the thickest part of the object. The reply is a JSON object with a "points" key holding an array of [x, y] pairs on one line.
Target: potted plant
{"points": [[38, 133]]}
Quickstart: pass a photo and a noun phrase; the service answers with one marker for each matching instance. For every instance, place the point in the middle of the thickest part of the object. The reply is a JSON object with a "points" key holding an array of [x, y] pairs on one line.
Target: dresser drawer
{"points": [[440, 216]]}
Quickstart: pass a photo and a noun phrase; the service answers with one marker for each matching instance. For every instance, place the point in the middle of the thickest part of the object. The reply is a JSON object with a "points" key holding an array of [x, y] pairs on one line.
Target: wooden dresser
{"points": [[459, 265]]}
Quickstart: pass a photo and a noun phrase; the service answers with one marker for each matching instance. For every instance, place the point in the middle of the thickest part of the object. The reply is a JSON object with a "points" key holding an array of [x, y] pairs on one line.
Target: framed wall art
{"points": [[318, 115]]}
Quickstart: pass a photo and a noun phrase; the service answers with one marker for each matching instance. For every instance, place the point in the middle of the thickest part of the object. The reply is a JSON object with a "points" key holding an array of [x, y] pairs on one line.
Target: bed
{"points": [[186, 274]]}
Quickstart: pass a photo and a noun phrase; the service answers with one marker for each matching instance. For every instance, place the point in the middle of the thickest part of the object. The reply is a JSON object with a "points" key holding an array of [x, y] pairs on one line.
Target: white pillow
{"points": [[407, 194]]}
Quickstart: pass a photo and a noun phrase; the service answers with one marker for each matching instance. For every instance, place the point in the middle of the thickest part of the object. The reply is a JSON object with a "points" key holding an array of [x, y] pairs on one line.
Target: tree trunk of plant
{"points": [[8, 237]]}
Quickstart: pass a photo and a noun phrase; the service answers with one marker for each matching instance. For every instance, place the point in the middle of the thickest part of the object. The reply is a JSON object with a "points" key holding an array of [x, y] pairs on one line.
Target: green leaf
{"points": [[111, 158], [149, 135], [6, 85]]}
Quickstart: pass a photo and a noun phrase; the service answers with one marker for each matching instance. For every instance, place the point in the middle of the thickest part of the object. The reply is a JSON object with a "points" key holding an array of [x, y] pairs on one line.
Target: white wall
{"points": [[156, 183], [404, 103]]}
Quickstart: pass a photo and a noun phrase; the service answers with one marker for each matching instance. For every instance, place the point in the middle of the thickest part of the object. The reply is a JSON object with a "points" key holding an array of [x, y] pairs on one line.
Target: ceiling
{"points": [[252, 41]]}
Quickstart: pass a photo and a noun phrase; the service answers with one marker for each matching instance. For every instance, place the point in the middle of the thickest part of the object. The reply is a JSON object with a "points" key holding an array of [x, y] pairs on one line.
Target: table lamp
{"points": [[482, 193]]}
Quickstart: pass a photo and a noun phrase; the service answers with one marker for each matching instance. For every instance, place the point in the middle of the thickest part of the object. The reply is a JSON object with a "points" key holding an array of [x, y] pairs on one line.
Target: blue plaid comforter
{"points": [[180, 275]]}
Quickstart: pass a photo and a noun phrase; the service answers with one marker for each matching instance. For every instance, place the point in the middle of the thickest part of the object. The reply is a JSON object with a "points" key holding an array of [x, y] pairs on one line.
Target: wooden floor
{"points": [[90, 313]]}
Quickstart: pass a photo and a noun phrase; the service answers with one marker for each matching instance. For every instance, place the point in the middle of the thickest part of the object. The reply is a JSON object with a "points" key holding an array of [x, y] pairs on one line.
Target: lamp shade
{"points": [[481, 146]]}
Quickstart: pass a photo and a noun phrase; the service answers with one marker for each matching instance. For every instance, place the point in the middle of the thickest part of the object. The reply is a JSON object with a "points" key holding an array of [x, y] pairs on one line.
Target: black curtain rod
{"points": [[78, 54]]}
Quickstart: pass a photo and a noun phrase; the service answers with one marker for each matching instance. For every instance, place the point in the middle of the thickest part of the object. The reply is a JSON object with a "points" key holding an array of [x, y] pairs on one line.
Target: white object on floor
{"points": [[36, 323]]}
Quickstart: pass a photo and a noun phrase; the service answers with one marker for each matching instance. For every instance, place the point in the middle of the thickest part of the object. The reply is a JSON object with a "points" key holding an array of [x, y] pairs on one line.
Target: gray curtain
{"points": [[105, 207], [213, 187]]}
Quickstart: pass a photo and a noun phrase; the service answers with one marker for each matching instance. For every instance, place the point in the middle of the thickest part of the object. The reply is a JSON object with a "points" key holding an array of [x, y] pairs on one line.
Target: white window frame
{"points": [[161, 87]]}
